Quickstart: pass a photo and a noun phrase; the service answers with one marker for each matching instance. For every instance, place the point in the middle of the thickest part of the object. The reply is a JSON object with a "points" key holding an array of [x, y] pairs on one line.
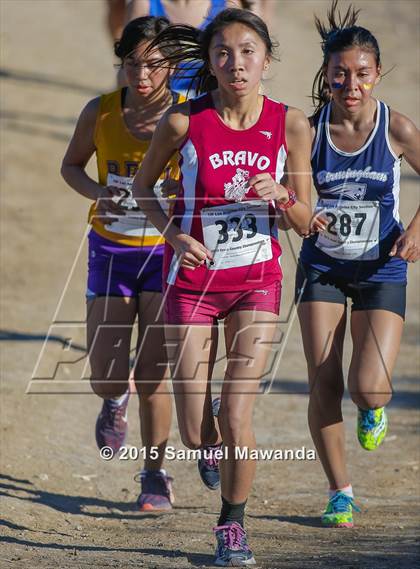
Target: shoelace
{"points": [[149, 478], [340, 502], [368, 419], [209, 458], [115, 412], [233, 535]]}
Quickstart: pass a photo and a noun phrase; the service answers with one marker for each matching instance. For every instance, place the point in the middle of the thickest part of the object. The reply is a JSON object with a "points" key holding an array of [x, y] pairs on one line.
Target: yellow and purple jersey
{"points": [[119, 154]]}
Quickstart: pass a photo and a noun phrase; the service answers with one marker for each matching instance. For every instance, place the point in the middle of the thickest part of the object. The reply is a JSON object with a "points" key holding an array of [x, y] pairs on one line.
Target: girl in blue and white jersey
{"points": [[358, 249]]}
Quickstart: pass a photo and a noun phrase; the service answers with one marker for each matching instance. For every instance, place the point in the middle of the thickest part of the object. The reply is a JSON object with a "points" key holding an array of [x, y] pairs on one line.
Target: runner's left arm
{"points": [[298, 170], [298, 174], [405, 140]]}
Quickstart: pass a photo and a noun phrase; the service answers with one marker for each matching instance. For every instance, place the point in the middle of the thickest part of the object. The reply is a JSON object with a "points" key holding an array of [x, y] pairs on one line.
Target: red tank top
{"points": [[217, 206]]}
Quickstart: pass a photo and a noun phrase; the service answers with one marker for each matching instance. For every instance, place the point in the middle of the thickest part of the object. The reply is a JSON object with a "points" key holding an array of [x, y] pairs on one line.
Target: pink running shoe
{"points": [[156, 491], [232, 547], [111, 424]]}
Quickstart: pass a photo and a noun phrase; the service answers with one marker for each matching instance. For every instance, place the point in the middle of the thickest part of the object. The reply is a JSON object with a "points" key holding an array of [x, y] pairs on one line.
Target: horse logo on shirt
{"points": [[238, 187]]}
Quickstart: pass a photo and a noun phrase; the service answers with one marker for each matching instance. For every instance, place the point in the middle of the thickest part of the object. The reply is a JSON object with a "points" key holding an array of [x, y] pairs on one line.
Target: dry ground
{"points": [[62, 506]]}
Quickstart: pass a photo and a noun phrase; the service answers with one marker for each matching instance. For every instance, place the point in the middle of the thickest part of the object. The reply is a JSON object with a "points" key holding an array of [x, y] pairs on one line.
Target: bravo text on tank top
{"points": [[219, 208]]}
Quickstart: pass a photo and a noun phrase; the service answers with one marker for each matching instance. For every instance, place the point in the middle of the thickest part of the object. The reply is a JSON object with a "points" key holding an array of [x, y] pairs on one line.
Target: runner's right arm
{"points": [[319, 222], [78, 154]]}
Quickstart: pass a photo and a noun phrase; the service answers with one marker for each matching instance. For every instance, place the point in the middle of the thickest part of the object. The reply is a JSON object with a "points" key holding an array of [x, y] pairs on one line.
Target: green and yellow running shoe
{"points": [[339, 512], [372, 426]]}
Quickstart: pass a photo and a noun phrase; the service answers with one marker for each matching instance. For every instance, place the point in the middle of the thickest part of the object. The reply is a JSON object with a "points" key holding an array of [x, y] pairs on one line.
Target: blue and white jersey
{"points": [[157, 9], [181, 80], [359, 194]]}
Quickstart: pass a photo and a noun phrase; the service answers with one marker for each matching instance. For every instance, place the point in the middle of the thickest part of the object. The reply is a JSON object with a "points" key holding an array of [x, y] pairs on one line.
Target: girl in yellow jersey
{"points": [[125, 255]]}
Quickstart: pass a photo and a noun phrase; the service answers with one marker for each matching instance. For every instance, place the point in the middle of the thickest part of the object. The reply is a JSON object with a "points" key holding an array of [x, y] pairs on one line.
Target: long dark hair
{"points": [[339, 34], [146, 28], [186, 45]]}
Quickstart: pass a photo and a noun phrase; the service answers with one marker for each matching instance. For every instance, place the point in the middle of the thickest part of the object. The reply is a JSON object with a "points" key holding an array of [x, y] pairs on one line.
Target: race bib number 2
{"points": [[237, 234], [134, 223], [352, 232]]}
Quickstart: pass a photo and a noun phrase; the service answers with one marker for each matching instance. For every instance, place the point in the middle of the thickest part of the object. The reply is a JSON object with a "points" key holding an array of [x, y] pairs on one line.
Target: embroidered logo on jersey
{"points": [[240, 158], [238, 187], [347, 190], [266, 133], [324, 176]]}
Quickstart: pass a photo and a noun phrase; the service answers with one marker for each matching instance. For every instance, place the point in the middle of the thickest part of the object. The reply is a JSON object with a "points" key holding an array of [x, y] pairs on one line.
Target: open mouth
{"points": [[238, 83]]}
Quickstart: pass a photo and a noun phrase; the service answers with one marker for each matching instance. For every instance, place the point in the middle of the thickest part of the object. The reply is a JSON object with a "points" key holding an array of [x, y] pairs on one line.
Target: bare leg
{"points": [[376, 340], [109, 326], [192, 351], [151, 375], [247, 354], [323, 327]]}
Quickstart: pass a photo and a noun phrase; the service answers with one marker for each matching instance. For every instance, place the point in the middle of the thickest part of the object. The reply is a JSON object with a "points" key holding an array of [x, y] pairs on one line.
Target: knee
{"points": [[108, 375], [326, 394], [233, 426], [191, 441], [370, 400], [370, 394], [327, 390], [190, 437]]}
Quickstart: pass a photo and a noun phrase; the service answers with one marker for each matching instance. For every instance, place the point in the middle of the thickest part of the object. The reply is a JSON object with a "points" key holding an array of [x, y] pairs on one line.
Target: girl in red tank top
{"points": [[218, 206], [222, 256]]}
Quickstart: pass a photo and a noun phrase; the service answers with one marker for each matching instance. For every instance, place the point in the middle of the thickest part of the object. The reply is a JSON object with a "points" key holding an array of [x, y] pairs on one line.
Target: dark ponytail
{"points": [[340, 34], [190, 46]]}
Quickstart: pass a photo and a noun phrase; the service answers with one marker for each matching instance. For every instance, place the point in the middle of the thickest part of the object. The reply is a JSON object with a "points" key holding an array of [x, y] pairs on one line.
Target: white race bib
{"points": [[134, 223], [353, 229], [237, 234]]}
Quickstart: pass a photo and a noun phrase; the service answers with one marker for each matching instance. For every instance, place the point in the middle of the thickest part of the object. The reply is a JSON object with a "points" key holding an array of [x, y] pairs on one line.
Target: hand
{"points": [[267, 188], [191, 252], [318, 223], [107, 204], [169, 189], [407, 245]]}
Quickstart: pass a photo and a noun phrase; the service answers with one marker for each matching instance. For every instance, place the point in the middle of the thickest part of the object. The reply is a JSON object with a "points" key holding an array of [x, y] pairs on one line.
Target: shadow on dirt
{"points": [[76, 505], [14, 336], [400, 553], [309, 521], [43, 79], [196, 559]]}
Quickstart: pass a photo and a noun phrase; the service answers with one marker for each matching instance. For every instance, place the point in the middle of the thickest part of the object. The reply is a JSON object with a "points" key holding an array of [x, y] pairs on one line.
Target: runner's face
{"points": [[143, 76], [352, 75], [238, 58]]}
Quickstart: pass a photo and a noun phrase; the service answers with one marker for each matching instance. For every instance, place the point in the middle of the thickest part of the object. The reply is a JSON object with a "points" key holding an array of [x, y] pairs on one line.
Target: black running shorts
{"points": [[313, 285]]}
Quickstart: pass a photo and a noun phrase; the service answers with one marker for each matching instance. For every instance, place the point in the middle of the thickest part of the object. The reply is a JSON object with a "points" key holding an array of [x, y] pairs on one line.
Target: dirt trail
{"points": [[62, 506]]}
